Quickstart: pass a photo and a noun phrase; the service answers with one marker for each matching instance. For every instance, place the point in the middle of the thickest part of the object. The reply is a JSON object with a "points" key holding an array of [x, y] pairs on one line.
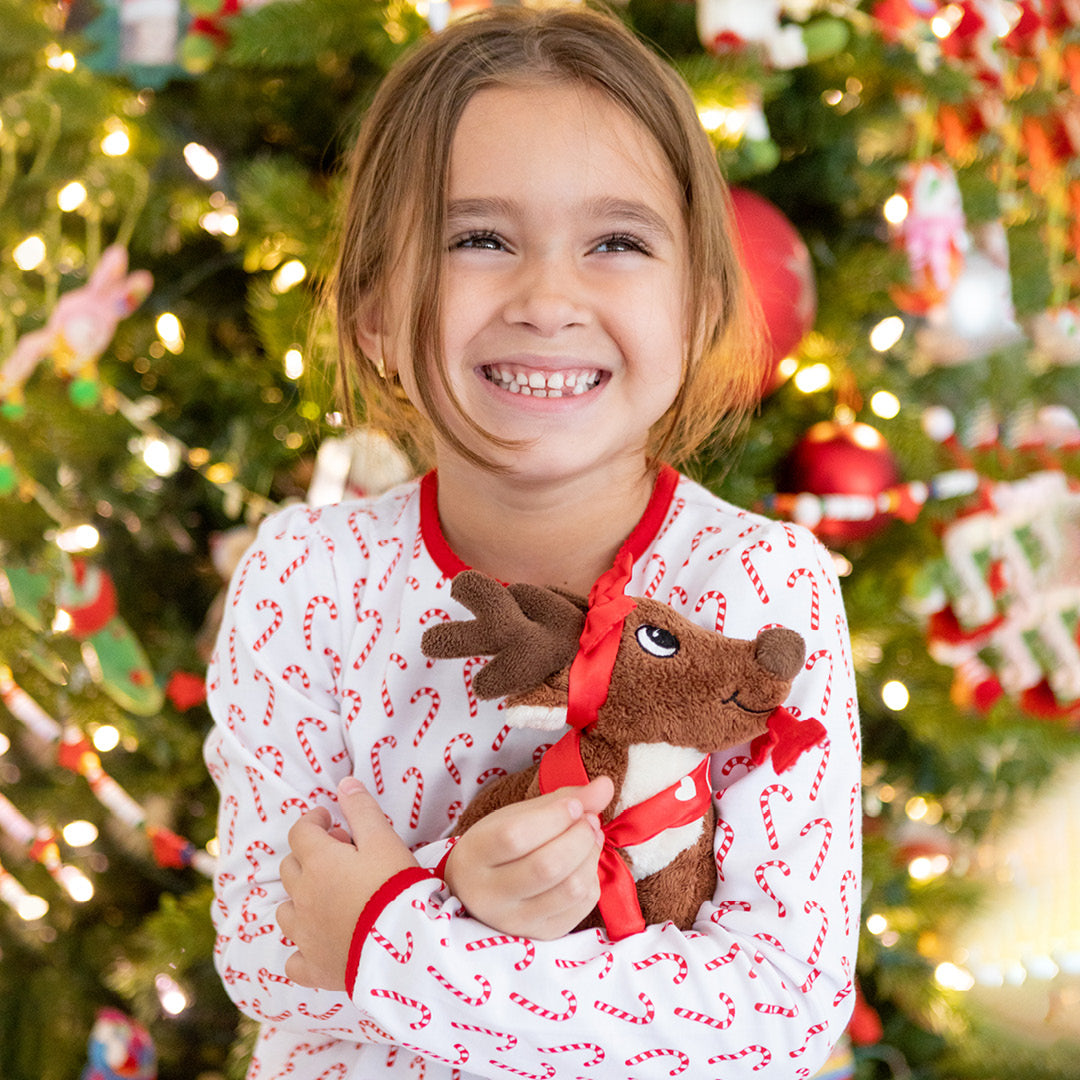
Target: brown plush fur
{"points": [[706, 691]]}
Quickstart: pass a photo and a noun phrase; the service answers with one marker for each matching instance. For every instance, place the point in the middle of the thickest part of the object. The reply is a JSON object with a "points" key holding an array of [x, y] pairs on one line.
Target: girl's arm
{"points": [[762, 985]]}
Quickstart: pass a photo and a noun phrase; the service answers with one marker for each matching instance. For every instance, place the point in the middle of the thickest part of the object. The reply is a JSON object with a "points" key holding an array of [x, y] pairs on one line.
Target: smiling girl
{"points": [[538, 290]]}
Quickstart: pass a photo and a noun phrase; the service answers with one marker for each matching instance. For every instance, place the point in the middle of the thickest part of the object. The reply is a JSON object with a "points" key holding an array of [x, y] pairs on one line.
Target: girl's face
{"points": [[565, 279]]}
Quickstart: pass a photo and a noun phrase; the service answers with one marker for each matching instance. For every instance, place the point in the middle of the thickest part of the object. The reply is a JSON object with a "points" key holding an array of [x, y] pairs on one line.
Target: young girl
{"points": [[538, 284]]}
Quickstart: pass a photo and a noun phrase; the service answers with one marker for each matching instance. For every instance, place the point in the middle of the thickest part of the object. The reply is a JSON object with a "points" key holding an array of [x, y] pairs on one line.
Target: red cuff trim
{"points": [[389, 890]]}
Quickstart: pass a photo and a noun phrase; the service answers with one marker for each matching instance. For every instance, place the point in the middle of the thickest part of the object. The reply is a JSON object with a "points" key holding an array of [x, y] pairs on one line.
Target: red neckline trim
{"points": [[637, 542]]}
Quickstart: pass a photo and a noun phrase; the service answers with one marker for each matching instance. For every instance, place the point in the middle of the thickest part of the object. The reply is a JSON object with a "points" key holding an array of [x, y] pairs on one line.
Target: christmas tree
{"points": [[908, 199]]}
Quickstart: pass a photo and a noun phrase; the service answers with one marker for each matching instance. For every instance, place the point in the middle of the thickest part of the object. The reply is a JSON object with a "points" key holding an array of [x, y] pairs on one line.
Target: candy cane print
{"points": [[488, 774], [608, 958], [296, 563], [506, 939], [230, 975], [234, 716], [677, 507], [764, 1053], [274, 626], [789, 532], [853, 802], [376, 760], [453, 811], [547, 1014], [677, 592], [853, 726], [461, 1059], [733, 763], [721, 851], [648, 1055], [763, 884], [413, 773], [849, 877], [549, 1071], [630, 1018], [354, 707], [254, 779], [229, 811], [358, 536], [699, 538], [396, 954], [748, 566], [335, 666], [815, 597], [724, 906], [728, 957], [433, 613], [815, 974], [721, 608], [500, 737], [711, 1021], [388, 705], [819, 942], [827, 828], [234, 664], [314, 604], [816, 1029], [255, 556], [295, 671], [591, 1048], [365, 652], [811, 663], [247, 931], [433, 711], [826, 751], [451, 768], [444, 982], [268, 715], [330, 1013], [305, 742], [789, 1011], [766, 811], [251, 853], [408, 1002], [399, 549], [661, 570], [508, 1041], [470, 666], [681, 967]]}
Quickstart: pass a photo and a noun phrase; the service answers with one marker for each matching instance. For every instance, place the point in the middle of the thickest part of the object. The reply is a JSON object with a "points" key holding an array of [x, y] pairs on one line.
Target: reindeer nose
{"points": [[780, 652]]}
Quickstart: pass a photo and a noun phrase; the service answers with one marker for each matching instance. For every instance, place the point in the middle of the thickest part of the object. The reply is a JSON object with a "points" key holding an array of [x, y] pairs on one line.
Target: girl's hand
{"points": [[329, 878], [530, 869]]}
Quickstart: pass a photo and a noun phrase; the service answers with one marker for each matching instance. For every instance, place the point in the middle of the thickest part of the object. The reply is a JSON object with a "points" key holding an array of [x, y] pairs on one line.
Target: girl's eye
{"points": [[478, 241], [620, 243]]}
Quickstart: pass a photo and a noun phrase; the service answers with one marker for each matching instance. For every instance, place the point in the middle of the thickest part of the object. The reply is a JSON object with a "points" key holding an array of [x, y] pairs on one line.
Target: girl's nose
{"points": [[546, 295]]}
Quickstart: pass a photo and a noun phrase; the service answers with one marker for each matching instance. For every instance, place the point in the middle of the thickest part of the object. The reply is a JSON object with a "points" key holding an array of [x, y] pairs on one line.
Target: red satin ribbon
{"points": [[668, 809]]}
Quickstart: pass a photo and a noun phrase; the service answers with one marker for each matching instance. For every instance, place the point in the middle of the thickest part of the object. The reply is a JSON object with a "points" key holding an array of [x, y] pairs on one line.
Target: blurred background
{"points": [[907, 190]]}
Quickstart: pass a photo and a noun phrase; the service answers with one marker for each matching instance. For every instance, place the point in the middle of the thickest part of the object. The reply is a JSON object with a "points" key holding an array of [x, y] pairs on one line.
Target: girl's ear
{"points": [[369, 331]]}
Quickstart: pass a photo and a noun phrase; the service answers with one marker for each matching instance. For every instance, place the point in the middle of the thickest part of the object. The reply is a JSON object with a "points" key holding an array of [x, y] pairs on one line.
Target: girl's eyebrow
{"points": [[608, 209]]}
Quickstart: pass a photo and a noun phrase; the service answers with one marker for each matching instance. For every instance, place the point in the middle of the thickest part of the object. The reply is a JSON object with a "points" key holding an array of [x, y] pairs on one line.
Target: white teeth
{"points": [[554, 384]]}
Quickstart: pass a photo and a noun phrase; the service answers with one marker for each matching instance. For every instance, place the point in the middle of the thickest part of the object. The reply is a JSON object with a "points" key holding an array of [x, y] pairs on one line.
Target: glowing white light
{"points": [[161, 456], [815, 377], [106, 738], [895, 209], [173, 999], [877, 924], [170, 331], [116, 142], [5, 744], [71, 196], [887, 333], [294, 364], [916, 808], [31, 907], [952, 977], [62, 622], [885, 404], [200, 161], [288, 275], [928, 867], [30, 254], [946, 20], [76, 884], [79, 833], [220, 222], [58, 59], [78, 538], [895, 695]]}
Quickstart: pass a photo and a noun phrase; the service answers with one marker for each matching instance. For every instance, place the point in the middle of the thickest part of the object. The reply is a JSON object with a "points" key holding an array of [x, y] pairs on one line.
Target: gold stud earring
{"points": [[380, 368]]}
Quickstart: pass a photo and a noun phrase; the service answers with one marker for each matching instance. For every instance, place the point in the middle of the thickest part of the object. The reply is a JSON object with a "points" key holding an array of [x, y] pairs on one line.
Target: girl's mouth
{"points": [[534, 383]]}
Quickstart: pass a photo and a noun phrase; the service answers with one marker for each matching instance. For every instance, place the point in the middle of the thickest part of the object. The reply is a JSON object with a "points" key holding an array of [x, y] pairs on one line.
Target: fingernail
{"points": [[350, 786], [574, 808], [597, 828]]}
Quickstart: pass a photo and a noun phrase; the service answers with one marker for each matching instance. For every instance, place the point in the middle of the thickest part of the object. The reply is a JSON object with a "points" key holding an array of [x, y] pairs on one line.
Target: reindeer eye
{"points": [[657, 641]]}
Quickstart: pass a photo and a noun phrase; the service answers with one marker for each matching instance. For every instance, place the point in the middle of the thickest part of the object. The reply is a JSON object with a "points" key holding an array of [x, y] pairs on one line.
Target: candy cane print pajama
{"points": [[318, 674]]}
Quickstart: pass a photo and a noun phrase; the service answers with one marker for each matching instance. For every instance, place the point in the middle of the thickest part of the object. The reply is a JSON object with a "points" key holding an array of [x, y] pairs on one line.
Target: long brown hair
{"points": [[395, 206]]}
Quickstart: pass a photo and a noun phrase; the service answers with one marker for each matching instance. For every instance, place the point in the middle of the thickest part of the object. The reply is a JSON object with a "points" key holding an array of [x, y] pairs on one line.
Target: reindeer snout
{"points": [[780, 652]]}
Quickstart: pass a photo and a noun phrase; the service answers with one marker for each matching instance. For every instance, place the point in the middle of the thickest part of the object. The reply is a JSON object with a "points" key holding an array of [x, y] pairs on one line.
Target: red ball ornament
{"points": [[778, 265], [842, 459]]}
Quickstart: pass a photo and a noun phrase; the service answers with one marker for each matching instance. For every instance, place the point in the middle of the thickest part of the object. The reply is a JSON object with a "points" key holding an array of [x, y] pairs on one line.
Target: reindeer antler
{"points": [[529, 631]]}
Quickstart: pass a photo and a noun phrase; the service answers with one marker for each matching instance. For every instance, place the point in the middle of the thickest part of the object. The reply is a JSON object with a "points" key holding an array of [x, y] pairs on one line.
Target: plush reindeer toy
{"points": [[677, 693]]}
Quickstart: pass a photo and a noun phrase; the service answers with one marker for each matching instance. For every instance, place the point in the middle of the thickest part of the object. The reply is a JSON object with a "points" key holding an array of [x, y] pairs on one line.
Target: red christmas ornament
{"points": [[778, 265], [842, 459]]}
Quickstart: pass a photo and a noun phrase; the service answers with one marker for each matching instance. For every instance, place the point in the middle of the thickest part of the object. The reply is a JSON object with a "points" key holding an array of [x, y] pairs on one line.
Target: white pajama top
{"points": [[318, 675]]}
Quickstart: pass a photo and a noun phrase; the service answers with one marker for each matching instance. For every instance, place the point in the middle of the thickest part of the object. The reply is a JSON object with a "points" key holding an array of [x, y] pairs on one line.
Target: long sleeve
{"points": [[762, 985]]}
